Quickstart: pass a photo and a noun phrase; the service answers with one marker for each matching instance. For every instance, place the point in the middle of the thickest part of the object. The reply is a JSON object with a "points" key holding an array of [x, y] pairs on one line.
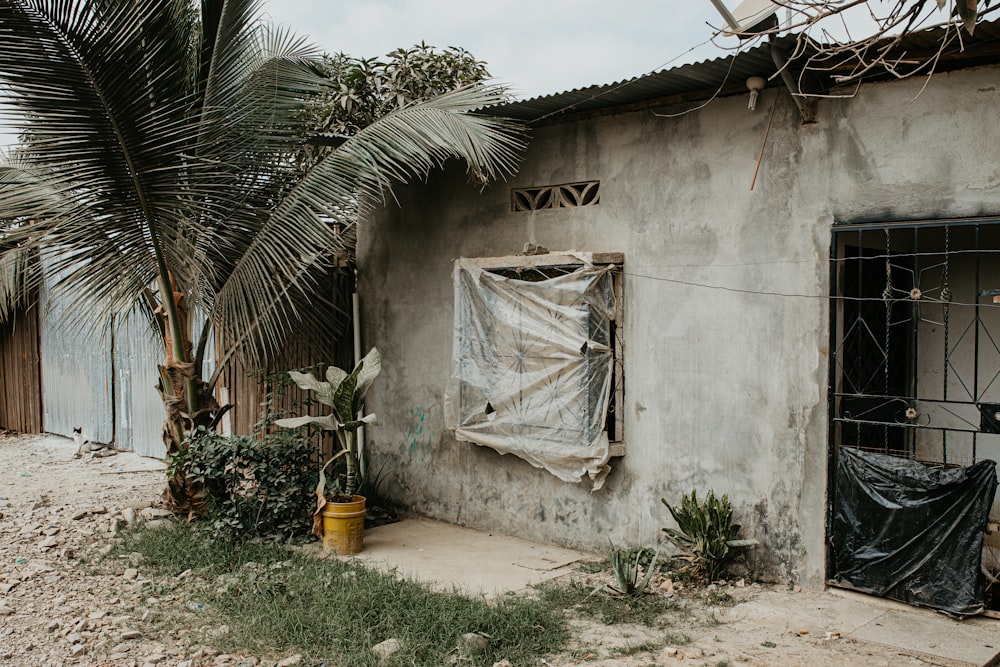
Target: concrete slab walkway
{"points": [[789, 621], [490, 564], [448, 556], [972, 641]]}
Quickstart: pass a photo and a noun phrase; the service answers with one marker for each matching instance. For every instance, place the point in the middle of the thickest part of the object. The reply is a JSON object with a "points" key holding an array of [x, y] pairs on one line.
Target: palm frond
{"points": [[267, 289], [103, 92], [259, 83], [161, 147], [15, 264], [411, 141]]}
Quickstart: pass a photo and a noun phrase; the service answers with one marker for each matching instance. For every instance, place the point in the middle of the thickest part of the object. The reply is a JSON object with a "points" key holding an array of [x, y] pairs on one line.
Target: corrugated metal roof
{"points": [[727, 75]]}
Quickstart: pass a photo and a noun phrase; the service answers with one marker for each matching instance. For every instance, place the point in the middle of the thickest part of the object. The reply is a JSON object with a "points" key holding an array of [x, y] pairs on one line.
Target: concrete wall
{"points": [[726, 308]]}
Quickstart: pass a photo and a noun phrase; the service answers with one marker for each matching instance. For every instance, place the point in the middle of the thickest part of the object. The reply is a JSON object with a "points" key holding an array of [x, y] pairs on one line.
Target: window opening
{"points": [[537, 362]]}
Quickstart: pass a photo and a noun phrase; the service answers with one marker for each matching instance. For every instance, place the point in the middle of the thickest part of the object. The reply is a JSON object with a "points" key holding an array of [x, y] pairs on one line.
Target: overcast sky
{"points": [[536, 46]]}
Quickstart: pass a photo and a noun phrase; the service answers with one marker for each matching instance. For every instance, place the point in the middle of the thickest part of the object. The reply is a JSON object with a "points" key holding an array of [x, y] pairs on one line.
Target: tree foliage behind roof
{"points": [[359, 91], [362, 90]]}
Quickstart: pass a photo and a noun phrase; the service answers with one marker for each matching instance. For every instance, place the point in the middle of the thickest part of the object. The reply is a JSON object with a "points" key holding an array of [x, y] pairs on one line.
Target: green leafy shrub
{"points": [[259, 485], [253, 487], [707, 534]]}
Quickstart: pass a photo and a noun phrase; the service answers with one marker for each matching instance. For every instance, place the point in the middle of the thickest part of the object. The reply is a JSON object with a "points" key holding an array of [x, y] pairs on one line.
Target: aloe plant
{"points": [[345, 394], [627, 572], [706, 534]]}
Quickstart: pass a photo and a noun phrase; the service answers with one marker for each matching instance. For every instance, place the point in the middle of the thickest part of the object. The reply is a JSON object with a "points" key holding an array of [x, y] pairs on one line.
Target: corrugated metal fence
{"points": [[139, 411], [76, 371], [57, 377]]}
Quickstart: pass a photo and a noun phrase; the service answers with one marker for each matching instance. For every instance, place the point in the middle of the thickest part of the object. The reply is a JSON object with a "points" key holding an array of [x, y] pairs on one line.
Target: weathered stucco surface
{"points": [[726, 311]]}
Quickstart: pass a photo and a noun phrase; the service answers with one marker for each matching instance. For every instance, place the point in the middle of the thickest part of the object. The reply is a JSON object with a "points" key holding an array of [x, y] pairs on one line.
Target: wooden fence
{"points": [[247, 388], [20, 373]]}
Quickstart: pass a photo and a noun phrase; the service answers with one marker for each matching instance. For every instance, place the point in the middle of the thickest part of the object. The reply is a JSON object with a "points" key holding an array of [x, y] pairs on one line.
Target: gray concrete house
{"points": [[734, 338]]}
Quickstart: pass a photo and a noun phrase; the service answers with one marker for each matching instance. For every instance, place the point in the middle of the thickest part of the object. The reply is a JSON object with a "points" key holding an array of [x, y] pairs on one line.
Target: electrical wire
{"points": [[740, 290], [725, 80], [623, 83], [724, 288]]}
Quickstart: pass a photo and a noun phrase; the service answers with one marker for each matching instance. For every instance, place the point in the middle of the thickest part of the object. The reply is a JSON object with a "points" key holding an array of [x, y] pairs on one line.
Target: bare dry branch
{"points": [[846, 41]]}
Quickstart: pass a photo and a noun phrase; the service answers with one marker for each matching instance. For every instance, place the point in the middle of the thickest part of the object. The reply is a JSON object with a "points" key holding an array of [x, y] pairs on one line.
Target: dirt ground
{"points": [[54, 611], [766, 626]]}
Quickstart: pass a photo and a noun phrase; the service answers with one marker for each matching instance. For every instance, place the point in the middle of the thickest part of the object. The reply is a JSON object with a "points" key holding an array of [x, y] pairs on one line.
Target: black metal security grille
{"points": [[915, 340]]}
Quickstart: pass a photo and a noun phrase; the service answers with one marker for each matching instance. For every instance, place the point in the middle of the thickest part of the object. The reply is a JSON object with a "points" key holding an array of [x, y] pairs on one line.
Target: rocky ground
{"points": [[62, 604]]}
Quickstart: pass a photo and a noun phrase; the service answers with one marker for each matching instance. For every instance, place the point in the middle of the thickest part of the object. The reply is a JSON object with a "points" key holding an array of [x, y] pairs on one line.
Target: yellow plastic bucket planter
{"points": [[344, 526]]}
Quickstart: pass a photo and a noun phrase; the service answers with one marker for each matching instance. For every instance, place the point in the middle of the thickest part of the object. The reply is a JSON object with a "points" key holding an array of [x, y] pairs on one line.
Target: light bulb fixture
{"points": [[755, 84]]}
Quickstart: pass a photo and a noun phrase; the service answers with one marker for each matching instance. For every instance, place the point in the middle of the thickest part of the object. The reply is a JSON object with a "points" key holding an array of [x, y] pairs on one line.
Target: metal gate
{"points": [[915, 341]]}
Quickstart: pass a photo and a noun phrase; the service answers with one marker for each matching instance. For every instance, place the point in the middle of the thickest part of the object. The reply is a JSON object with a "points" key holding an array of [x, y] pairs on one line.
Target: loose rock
{"points": [[472, 643], [386, 649]]}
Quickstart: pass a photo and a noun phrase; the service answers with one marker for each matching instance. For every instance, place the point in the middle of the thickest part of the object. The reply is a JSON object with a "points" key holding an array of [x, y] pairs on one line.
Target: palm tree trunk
{"points": [[188, 400]]}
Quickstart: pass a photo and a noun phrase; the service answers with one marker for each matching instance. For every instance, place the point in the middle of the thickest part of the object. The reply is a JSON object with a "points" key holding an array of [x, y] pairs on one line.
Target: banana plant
{"points": [[344, 394]]}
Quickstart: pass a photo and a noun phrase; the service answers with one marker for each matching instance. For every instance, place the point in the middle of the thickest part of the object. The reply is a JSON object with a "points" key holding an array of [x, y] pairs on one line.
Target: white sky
{"points": [[537, 47]]}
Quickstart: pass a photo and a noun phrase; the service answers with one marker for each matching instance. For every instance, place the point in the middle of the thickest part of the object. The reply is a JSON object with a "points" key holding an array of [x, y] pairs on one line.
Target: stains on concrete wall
{"points": [[773, 523], [725, 297]]}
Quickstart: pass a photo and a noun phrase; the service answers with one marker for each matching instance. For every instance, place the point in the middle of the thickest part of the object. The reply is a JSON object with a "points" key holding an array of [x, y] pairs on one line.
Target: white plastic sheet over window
{"points": [[532, 367]]}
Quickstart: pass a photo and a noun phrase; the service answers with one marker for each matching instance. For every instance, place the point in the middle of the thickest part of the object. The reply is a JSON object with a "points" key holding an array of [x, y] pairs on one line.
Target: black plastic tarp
{"points": [[911, 532]]}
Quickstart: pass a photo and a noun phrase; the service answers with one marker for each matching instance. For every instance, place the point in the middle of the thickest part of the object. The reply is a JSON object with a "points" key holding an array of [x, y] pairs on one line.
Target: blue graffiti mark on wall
{"points": [[415, 434], [416, 430]]}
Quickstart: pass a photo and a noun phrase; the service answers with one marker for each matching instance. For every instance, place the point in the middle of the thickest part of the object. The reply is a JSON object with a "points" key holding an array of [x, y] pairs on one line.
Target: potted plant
{"points": [[340, 520]]}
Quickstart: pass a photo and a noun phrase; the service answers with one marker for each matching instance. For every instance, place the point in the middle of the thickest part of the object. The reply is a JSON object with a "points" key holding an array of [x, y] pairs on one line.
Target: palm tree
{"points": [[157, 172]]}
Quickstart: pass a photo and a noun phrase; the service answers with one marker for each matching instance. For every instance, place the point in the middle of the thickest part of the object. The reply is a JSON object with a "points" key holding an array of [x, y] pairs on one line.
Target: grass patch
{"points": [[275, 602], [170, 550], [650, 610]]}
